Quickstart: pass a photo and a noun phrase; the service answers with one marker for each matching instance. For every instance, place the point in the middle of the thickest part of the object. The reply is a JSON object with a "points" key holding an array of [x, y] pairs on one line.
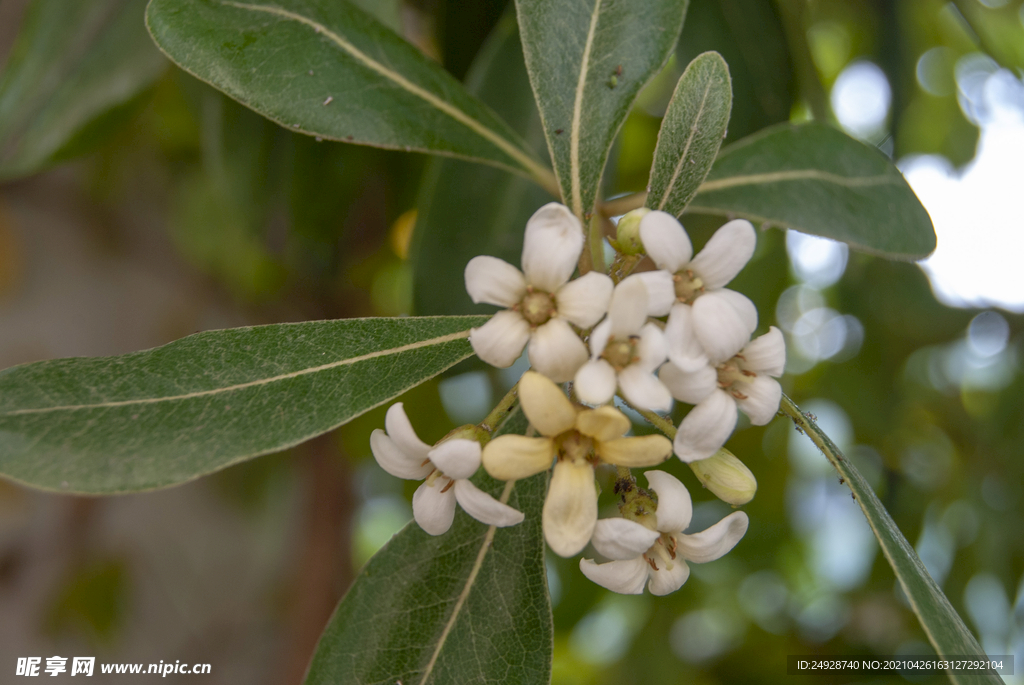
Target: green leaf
{"points": [[691, 133], [815, 179], [465, 210], [171, 414], [469, 606], [943, 626], [750, 37], [74, 64], [330, 70], [587, 63]]}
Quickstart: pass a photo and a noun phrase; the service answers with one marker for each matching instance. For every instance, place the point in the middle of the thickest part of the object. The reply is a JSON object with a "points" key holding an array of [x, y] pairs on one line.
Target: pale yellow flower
{"points": [[577, 438]]}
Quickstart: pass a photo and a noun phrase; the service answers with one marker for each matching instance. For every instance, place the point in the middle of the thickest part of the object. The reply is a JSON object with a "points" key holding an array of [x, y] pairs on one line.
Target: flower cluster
{"points": [[672, 332]]}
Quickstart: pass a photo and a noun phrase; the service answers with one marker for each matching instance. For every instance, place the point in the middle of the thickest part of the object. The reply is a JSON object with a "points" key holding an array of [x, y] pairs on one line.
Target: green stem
{"points": [[623, 265], [621, 205], [501, 411], [659, 422]]}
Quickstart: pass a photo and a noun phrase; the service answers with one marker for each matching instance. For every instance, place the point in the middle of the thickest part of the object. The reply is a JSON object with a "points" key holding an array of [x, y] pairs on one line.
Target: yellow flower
{"points": [[578, 438]]}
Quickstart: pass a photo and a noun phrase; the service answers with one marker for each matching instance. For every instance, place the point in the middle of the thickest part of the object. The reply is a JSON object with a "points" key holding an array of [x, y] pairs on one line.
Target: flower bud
{"points": [[627, 233], [726, 476]]}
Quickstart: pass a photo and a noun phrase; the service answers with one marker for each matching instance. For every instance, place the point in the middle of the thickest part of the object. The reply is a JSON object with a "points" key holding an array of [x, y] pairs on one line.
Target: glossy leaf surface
{"points": [[74, 64], [815, 179], [468, 606], [587, 62], [331, 70], [171, 414], [466, 210], [691, 133], [944, 627]]}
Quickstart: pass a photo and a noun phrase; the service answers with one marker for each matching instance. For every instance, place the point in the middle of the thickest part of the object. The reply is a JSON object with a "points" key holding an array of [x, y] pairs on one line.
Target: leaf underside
{"points": [[171, 414]]}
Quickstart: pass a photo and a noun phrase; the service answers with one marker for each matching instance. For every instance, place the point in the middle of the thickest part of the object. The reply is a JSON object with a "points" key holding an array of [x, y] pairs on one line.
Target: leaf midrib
{"points": [[577, 109], [470, 580], [686, 148], [529, 164], [240, 386], [798, 175]]}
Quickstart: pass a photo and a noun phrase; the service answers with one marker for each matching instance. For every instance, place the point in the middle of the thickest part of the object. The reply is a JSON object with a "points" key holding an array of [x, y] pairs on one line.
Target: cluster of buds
{"points": [[673, 332]]}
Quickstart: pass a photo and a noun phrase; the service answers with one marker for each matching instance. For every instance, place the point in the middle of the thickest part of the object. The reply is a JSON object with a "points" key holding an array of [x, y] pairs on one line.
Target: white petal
{"points": [[665, 241], [545, 404], [434, 510], [551, 247], [661, 291], [692, 388], [494, 281], [723, 321], [400, 430], [714, 542], [762, 401], [599, 338], [595, 382], [665, 580], [584, 300], [706, 427], [458, 458], [684, 349], [570, 510], [643, 389], [675, 508], [485, 508], [396, 462], [624, 577], [619, 538], [628, 309], [500, 341], [652, 348], [728, 251], [556, 351], [766, 354]]}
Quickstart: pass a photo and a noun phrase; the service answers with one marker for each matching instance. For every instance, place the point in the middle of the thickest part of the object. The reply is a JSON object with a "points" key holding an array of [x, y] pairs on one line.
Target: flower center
{"points": [[731, 376], [621, 353], [537, 307], [574, 447], [663, 550], [688, 286]]}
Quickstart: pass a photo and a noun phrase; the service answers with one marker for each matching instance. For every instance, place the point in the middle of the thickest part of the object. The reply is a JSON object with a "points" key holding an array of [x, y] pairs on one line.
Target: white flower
{"points": [[625, 353], [657, 557], [723, 319], [446, 468], [721, 385], [577, 438], [540, 299]]}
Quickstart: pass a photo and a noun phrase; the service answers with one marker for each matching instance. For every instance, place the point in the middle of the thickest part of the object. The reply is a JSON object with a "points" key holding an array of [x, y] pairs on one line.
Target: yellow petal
{"points": [[645, 450], [511, 457], [570, 510], [603, 423], [545, 405]]}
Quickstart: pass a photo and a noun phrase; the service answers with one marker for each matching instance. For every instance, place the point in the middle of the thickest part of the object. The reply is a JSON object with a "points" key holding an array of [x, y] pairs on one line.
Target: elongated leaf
{"points": [[587, 62], [73, 63], [944, 627], [464, 210], [164, 416], [691, 133], [328, 69], [815, 179], [750, 37], [469, 606]]}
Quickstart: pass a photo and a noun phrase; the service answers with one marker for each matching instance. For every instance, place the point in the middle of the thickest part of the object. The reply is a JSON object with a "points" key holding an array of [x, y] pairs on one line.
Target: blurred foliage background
{"points": [[138, 205]]}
